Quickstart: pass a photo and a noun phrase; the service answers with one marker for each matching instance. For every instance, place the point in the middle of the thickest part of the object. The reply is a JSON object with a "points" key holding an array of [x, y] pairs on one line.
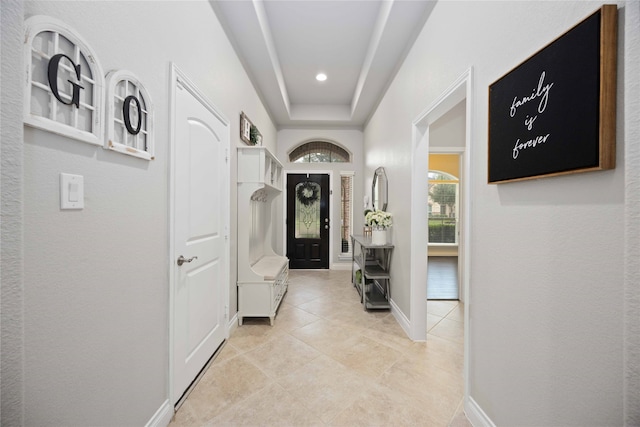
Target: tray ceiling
{"points": [[358, 44]]}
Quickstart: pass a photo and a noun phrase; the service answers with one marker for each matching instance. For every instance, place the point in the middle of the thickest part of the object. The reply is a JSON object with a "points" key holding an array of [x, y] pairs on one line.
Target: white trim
{"points": [[475, 414], [179, 78], [461, 89], [267, 37], [232, 325], [457, 92], [342, 265], [419, 231], [446, 150], [331, 216], [375, 40], [162, 417], [400, 317], [36, 25], [172, 138], [466, 224]]}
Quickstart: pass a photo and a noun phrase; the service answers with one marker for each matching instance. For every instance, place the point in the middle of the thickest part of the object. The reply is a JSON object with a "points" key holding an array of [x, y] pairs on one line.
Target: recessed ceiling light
{"points": [[321, 77]]}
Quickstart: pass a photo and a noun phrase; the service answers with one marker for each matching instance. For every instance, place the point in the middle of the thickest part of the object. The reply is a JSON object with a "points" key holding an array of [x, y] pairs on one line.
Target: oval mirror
{"points": [[379, 190]]}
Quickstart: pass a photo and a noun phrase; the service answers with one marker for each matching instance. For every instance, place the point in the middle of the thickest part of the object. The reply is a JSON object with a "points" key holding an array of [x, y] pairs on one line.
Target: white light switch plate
{"points": [[71, 191]]}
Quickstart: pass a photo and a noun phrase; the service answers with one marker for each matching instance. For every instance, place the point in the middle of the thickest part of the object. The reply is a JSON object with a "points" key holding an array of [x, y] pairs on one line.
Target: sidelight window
{"points": [[346, 211]]}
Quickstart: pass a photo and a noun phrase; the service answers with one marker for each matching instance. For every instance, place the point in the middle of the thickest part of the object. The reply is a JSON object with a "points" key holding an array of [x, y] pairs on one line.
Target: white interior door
{"points": [[200, 206]]}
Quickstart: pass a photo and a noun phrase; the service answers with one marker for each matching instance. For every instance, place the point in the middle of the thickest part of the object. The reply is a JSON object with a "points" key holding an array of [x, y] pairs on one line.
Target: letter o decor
{"points": [[64, 84], [129, 116], [126, 109]]}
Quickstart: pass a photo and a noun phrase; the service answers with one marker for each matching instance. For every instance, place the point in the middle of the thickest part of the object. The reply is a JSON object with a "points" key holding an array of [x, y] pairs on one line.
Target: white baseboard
{"points": [[162, 417], [400, 317], [475, 414], [341, 265], [232, 325]]}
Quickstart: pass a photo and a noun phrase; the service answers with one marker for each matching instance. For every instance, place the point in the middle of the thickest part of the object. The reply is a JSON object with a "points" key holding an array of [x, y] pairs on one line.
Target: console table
{"points": [[374, 261]]}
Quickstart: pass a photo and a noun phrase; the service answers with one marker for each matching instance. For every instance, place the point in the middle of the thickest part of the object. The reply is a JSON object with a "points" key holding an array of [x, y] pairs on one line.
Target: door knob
{"points": [[182, 260]]}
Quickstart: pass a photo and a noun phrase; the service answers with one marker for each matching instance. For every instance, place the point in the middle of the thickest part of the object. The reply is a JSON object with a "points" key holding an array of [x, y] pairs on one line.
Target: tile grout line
{"points": [[374, 328]]}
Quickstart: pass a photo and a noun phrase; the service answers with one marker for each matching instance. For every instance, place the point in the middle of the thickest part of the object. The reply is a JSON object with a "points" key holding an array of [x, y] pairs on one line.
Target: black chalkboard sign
{"points": [[555, 113]]}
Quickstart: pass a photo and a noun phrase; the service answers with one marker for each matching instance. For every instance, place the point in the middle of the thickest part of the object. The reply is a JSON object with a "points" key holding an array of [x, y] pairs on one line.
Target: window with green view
{"points": [[443, 208]]}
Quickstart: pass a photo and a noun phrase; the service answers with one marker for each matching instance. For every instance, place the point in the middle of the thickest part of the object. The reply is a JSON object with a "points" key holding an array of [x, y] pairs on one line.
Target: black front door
{"points": [[308, 220]]}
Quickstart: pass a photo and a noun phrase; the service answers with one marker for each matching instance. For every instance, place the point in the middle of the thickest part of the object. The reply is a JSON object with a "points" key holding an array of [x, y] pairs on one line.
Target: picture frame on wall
{"points": [[245, 129], [555, 113], [249, 133]]}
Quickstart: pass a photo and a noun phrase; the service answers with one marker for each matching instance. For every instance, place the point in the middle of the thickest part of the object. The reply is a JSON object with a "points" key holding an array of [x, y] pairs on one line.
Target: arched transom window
{"points": [[319, 152]]}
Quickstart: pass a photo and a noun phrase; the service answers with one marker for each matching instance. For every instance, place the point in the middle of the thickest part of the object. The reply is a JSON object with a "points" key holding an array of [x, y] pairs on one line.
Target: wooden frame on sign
{"points": [[555, 113]]}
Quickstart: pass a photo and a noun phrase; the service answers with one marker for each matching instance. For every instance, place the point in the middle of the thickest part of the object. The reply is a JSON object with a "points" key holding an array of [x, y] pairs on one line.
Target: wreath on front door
{"points": [[307, 193]]}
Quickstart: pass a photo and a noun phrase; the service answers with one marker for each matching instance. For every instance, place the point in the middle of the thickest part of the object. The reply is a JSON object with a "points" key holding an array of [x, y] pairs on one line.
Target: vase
{"points": [[378, 236]]}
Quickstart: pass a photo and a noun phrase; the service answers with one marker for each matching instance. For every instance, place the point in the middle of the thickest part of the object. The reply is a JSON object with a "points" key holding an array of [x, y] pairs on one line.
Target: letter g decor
{"points": [[64, 84], [54, 67]]}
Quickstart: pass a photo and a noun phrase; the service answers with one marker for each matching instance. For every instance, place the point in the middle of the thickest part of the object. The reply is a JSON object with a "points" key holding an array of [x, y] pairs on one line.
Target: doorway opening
{"points": [[444, 127], [458, 95], [444, 225]]}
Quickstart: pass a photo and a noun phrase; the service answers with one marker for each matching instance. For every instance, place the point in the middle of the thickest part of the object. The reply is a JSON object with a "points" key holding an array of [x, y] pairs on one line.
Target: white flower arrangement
{"points": [[378, 219]]}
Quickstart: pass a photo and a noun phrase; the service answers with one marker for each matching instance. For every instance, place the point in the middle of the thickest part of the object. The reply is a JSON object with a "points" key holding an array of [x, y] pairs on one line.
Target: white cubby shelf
{"points": [[262, 273]]}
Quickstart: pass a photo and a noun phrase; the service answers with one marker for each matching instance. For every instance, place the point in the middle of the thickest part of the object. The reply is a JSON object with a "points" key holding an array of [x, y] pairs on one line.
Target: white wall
{"points": [[447, 133], [95, 282], [11, 164], [547, 256], [631, 134], [350, 139]]}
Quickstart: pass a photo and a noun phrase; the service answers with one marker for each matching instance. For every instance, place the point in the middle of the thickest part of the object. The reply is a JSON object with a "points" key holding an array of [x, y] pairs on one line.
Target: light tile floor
{"points": [[327, 362]]}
